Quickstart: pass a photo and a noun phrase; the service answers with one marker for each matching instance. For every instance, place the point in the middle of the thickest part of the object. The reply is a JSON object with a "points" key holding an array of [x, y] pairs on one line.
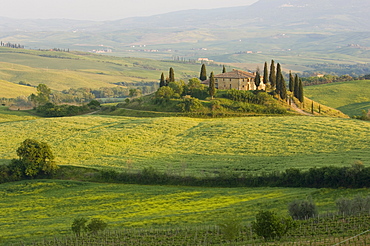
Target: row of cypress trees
{"points": [[275, 78]]}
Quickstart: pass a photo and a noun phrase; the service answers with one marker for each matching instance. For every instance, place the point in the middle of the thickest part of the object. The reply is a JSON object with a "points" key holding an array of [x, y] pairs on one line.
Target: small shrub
{"points": [[96, 225], [302, 209], [231, 228], [79, 225], [271, 226]]}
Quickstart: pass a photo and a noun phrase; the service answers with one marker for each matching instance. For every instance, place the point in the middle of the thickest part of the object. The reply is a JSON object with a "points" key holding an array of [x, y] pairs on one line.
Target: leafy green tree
{"points": [[171, 75], [162, 81], [272, 77], [79, 225], [265, 74], [164, 93], [177, 87], [43, 95], [271, 226], [34, 158], [291, 82], [302, 209], [223, 69], [212, 87], [134, 92], [190, 104], [96, 225], [203, 73]]}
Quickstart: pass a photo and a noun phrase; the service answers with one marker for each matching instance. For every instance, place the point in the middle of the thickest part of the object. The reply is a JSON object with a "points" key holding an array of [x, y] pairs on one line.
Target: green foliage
{"points": [[34, 158], [203, 73], [355, 206], [79, 225], [52, 110], [162, 81], [171, 75], [272, 76], [190, 104], [164, 94], [195, 89], [265, 74], [212, 88], [177, 87], [271, 226], [96, 225], [302, 209], [257, 80], [231, 228]]}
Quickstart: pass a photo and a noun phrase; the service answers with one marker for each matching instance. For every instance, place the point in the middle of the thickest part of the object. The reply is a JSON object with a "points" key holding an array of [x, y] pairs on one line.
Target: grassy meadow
{"points": [[349, 97], [36, 209], [64, 70], [193, 146]]}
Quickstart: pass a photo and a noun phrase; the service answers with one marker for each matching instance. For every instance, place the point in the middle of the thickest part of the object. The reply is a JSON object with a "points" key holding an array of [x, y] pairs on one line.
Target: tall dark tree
{"points": [[223, 69], [163, 81], [300, 89], [272, 77], [171, 75], [283, 94], [212, 87], [257, 79], [265, 74], [296, 86], [278, 79], [203, 73], [291, 82]]}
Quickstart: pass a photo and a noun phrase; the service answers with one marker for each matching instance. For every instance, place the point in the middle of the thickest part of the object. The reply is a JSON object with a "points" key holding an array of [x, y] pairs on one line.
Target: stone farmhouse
{"points": [[236, 79]]}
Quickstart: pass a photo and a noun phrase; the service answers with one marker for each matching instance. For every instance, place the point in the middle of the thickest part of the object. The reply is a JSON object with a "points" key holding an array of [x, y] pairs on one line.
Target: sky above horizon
{"points": [[105, 10]]}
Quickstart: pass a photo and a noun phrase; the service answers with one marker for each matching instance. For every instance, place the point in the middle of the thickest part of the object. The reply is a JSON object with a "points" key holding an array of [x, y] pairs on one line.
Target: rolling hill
{"points": [[250, 144], [350, 97]]}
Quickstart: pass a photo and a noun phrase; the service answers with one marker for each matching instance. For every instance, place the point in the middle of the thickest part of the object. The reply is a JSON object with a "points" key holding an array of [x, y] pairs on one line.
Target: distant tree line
{"points": [[327, 78], [354, 70], [10, 45], [355, 176]]}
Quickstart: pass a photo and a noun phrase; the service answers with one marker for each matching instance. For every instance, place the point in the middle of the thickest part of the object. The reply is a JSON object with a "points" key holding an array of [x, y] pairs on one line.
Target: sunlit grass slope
{"points": [[11, 90], [34, 209], [7, 115], [64, 70], [195, 146], [350, 97]]}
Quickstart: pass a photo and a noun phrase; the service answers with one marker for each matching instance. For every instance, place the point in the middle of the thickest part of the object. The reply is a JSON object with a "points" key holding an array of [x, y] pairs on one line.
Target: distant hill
{"points": [[349, 97]]}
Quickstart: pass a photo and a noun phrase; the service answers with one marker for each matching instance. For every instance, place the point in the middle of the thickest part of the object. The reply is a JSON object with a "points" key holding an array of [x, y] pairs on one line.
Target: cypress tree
{"points": [[283, 94], [203, 73], [223, 69], [257, 79], [300, 89], [291, 82], [162, 81], [272, 77], [172, 75], [296, 86], [212, 87], [278, 79], [265, 74]]}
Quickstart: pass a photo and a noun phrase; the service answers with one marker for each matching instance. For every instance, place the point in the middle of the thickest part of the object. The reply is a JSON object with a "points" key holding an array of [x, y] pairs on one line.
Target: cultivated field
{"points": [[36, 209], [65, 70], [191, 146], [349, 97]]}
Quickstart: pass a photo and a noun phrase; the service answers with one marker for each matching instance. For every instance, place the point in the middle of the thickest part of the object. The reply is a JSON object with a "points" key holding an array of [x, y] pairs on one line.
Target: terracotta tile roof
{"points": [[236, 74]]}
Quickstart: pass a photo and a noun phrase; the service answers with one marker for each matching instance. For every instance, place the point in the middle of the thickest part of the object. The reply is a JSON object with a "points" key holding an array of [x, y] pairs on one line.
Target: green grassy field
{"points": [[350, 97], [64, 70], [7, 115], [36, 209], [194, 146]]}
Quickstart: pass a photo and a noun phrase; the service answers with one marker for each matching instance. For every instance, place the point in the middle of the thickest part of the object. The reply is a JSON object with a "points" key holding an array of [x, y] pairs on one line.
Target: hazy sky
{"points": [[104, 9]]}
